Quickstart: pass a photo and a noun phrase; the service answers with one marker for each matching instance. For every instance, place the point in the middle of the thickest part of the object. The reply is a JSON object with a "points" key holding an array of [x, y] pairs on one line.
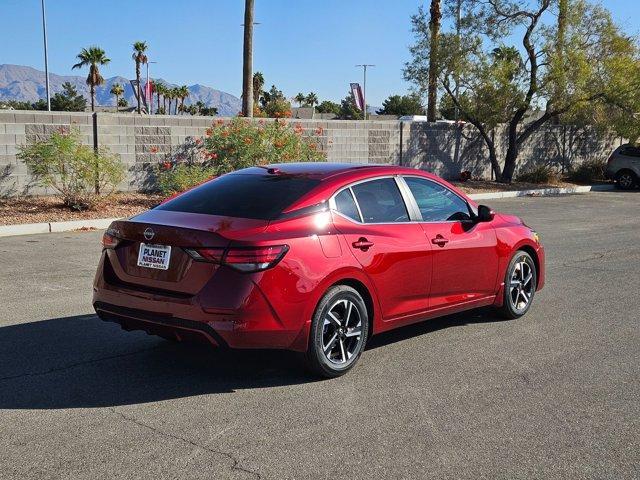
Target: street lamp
{"points": [[46, 60], [364, 86]]}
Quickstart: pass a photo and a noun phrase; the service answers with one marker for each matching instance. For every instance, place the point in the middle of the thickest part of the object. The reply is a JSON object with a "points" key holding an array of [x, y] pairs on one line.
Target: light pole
{"points": [[150, 99], [46, 59], [364, 86]]}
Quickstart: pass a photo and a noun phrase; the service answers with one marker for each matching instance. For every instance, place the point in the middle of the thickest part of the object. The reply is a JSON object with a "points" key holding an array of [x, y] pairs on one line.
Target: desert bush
{"points": [[235, 144], [589, 171], [538, 174], [82, 176]]}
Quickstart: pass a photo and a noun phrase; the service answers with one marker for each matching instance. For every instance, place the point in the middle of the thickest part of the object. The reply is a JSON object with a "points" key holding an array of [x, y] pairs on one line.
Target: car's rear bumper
{"points": [[230, 311]]}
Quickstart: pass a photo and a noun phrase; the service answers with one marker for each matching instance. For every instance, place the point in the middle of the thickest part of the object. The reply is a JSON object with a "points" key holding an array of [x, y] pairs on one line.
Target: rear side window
{"points": [[380, 201], [437, 203], [261, 197], [346, 205]]}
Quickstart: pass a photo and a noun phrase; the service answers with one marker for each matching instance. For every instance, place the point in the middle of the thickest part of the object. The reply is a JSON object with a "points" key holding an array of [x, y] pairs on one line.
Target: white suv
{"points": [[623, 166]]}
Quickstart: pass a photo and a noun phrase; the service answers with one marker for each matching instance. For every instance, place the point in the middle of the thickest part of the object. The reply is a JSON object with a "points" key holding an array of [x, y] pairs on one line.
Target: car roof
{"points": [[333, 176], [324, 170]]}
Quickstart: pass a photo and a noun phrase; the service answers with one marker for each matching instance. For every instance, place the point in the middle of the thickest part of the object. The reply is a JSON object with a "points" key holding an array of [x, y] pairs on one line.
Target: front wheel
{"points": [[519, 285], [625, 180], [338, 332]]}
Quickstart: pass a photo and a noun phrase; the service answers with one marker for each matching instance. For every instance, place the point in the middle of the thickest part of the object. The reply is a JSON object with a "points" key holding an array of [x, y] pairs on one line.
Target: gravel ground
{"points": [[50, 209]]}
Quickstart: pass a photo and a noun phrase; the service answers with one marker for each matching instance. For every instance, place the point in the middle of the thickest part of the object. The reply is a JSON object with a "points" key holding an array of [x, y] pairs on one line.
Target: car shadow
{"points": [[82, 362]]}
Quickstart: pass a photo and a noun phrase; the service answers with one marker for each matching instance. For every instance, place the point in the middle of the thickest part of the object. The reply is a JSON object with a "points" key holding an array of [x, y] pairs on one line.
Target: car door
{"points": [[374, 220], [465, 253]]}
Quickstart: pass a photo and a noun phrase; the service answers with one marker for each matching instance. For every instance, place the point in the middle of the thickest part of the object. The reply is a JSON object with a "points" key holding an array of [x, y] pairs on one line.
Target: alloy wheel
{"points": [[521, 285], [341, 332], [625, 180]]}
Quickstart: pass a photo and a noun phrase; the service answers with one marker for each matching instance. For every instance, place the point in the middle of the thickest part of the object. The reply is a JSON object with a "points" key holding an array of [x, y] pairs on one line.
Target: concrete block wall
{"points": [[144, 141], [21, 128]]}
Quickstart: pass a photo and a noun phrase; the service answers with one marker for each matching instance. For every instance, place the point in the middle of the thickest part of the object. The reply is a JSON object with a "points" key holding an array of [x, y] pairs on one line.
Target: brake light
{"points": [[244, 259], [109, 240], [213, 255]]}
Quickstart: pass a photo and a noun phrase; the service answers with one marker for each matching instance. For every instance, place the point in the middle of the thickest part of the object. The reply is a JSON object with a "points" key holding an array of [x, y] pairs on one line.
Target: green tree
{"points": [[139, 56], [69, 100], [122, 103], [159, 88], [92, 57], [300, 98], [182, 93], [348, 109], [328, 106], [258, 85], [500, 85], [117, 91], [312, 101], [402, 105]]}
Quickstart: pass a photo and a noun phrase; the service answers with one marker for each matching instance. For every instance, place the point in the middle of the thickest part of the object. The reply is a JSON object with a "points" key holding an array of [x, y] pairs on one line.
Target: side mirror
{"points": [[485, 214]]}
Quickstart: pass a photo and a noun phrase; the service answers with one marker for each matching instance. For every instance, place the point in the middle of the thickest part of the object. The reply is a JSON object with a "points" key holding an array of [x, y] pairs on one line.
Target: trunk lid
{"points": [[179, 230]]}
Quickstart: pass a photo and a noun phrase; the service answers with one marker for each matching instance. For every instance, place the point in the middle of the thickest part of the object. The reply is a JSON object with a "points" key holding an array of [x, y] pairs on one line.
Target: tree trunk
{"points": [[92, 90], [247, 64], [158, 103], [138, 85], [434, 27], [117, 102], [510, 158]]}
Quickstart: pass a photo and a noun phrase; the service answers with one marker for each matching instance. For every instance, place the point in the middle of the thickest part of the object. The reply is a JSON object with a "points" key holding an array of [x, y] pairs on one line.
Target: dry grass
{"points": [[50, 209]]}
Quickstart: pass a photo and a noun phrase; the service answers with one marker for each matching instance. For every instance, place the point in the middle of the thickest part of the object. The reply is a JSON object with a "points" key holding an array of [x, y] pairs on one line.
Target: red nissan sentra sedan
{"points": [[313, 257]]}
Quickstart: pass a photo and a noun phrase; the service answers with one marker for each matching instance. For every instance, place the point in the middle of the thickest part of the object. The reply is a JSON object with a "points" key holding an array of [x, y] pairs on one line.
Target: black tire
{"points": [[626, 180], [518, 286], [351, 333]]}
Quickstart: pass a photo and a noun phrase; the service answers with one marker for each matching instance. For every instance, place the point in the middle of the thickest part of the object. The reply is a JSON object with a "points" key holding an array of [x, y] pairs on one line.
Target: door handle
{"points": [[363, 244], [439, 240]]}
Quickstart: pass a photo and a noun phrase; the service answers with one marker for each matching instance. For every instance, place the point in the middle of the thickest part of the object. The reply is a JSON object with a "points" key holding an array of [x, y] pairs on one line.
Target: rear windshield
{"points": [[262, 197]]}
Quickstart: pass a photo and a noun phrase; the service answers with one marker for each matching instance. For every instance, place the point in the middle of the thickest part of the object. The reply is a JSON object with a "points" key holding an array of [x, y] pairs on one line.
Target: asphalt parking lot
{"points": [[553, 395]]}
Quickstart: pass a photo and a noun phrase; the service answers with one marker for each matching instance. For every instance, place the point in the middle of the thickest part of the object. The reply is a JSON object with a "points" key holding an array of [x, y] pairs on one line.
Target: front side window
{"points": [[380, 201], [437, 203]]}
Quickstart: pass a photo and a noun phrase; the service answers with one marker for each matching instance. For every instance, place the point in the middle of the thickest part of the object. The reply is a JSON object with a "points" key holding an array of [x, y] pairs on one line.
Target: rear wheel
{"points": [[626, 179], [519, 285], [338, 332]]}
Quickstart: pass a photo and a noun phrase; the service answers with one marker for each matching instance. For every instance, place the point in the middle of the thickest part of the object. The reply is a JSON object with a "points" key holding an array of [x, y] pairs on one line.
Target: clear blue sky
{"points": [[301, 45]]}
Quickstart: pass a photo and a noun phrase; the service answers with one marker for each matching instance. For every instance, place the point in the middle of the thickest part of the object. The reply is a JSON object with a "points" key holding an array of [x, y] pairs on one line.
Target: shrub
{"points": [[538, 174], [182, 176], [235, 144], [82, 176], [588, 172]]}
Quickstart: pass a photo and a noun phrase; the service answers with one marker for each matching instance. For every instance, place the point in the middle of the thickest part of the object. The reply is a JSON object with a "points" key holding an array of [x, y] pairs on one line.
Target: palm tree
{"points": [[183, 93], [258, 85], [92, 57], [117, 90], [312, 99], [300, 98], [140, 57], [161, 89], [168, 95]]}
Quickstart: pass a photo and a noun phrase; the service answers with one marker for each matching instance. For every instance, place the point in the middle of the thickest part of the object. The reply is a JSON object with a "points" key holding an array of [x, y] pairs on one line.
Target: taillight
{"points": [[254, 259], [213, 255], [109, 240], [244, 259]]}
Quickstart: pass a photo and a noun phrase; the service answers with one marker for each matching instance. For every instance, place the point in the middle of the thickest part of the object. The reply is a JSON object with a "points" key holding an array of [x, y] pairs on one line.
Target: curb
{"points": [[54, 227], [540, 192], [103, 223]]}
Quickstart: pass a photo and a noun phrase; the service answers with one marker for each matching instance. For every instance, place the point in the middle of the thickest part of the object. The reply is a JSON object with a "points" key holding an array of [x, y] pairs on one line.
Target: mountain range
{"points": [[18, 82]]}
